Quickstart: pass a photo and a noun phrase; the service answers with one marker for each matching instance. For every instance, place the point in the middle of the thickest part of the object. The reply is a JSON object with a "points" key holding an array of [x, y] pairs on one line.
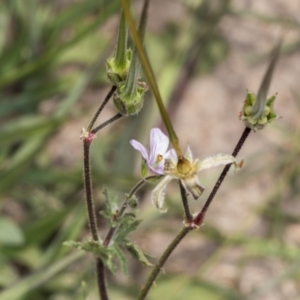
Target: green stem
{"points": [[161, 262], [151, 79], [121, 51], [135, 66]]}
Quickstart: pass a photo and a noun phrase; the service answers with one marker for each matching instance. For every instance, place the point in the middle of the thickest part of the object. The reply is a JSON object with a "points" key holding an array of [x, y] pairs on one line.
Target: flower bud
{"points": [[249, 118], [129, 104], [133, 202], [258, 109]]}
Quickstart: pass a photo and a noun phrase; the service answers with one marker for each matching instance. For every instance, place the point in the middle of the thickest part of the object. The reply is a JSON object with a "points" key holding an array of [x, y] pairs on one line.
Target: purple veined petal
{"points": [[159, 143], [158, 168], [139, 147]]}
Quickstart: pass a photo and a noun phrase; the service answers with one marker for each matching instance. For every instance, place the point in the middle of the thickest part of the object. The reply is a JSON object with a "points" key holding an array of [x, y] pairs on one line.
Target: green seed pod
{"points": [[129, 104], [133, 202]]}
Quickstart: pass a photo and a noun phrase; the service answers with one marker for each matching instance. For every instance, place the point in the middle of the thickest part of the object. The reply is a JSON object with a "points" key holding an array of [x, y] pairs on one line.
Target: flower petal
{"points": [[159, 143], [188, 154], [158, 194], [171, 155], [192, 185], [157, 168], [217, 160], [139, 147]]}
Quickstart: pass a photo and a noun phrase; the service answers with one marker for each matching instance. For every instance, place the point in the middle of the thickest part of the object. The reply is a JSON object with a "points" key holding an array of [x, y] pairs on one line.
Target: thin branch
{"points": [[109, 121], [161, 262], [108, 96], [199, 218]]}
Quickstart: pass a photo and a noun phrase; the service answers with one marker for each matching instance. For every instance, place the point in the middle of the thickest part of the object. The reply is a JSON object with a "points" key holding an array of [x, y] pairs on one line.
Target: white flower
{"points": [[163, 162], [186, 171]]}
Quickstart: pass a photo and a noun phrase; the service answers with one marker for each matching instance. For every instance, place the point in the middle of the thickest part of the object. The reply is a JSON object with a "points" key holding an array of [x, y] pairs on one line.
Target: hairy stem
{"points": [[100, 271], [161, 262], [108, 96], [89, 191], [92, 217], [199, 218]]}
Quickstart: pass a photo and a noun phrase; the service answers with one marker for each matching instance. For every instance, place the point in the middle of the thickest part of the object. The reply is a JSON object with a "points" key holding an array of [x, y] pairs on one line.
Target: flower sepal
{"points": [[249, 118], [129, 104], [117, 73]]}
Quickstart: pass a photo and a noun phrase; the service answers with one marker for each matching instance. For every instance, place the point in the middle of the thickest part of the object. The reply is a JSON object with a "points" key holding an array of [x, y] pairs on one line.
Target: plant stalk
{"points": [[108, 96], [161, 262]]}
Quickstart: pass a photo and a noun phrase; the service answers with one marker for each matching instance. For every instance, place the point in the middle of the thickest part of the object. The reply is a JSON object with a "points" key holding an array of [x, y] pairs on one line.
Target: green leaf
{"points": [[98, 250], [10, 233], [111, 206], [89, 246], [138, 254], [121, 259], [127, 225]]}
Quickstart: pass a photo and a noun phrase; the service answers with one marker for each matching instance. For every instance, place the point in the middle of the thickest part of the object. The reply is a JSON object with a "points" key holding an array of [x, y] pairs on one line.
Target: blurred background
{"points": [[205, 54]]}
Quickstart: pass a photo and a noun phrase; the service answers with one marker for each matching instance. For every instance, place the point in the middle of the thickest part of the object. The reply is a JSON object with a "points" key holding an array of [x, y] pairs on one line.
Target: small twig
{"points": [[108, 96], [187, 214], [112, 229], [161, 262], [109, 121], [199, 218]]}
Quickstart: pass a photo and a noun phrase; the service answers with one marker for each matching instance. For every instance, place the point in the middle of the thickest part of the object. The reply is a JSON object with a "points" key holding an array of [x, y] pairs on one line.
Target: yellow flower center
{"points": [[184, 167]]}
